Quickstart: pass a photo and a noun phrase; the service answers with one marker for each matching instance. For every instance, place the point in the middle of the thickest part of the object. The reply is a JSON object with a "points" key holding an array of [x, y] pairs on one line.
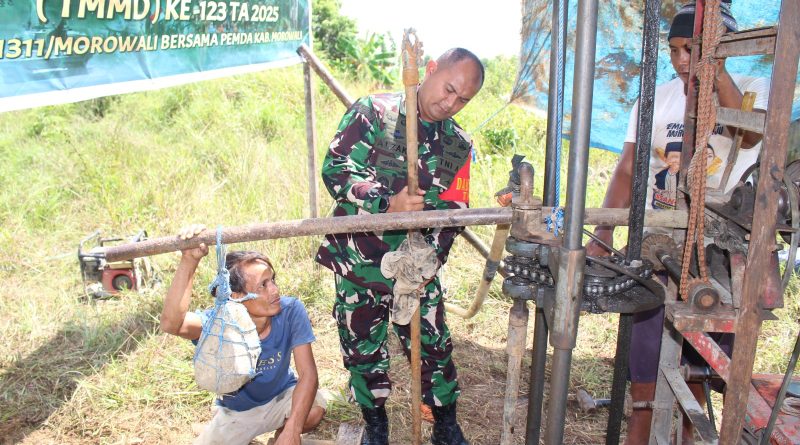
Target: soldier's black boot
{"points": [[376, 431], [445, 427]]}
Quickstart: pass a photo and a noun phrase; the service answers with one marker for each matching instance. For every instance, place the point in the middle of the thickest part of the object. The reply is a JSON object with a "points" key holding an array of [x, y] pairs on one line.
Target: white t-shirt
{"points": [[668, 112]]}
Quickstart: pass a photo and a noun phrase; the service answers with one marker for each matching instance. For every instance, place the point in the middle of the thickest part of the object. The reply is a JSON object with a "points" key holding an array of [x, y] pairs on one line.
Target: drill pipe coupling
{"points": [[526, 219], [519, 288]]}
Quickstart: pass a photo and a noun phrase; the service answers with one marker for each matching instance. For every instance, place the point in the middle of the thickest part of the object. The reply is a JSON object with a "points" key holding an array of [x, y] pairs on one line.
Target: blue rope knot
{"points": [[220, 288], [555, 220]]}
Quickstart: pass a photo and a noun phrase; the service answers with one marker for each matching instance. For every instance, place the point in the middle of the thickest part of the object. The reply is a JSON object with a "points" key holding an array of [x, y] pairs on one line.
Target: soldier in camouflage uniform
{"points": [[365, 172]]}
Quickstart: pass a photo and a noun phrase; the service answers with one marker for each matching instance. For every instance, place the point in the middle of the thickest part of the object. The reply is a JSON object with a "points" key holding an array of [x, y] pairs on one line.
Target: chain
{"points": [[706, 121], [527, 270]]}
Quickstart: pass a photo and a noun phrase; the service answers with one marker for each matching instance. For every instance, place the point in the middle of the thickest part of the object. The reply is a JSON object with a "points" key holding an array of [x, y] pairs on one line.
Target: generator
{"points": [[103, 279]]}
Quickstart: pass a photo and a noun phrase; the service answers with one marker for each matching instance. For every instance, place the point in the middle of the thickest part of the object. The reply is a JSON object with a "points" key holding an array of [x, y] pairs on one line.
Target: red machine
{"points": [[102, 279]]}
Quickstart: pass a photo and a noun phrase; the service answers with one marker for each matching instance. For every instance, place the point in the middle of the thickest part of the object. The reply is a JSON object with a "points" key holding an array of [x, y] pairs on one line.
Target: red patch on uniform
{"points": [[459, 189]]}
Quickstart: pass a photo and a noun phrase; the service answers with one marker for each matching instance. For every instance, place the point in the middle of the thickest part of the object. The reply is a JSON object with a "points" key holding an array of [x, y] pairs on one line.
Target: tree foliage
{"points": [[371, 59], [330, 27]]}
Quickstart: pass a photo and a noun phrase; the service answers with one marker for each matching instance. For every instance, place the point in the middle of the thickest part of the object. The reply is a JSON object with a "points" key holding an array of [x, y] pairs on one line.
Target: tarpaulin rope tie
{"points": [[483, 124]]}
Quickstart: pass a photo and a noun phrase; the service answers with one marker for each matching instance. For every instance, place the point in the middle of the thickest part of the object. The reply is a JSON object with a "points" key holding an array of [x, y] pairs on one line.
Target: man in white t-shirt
{"points": [[670, 105], [667, 136]]}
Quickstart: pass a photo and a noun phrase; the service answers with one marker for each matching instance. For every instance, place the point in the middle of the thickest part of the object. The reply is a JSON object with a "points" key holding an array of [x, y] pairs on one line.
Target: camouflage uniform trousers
{"points": [[362, 316]]}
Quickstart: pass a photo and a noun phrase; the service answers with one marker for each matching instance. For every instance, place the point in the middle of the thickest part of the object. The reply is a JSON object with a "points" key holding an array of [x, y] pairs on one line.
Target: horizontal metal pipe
{"points": [[372, 223]]}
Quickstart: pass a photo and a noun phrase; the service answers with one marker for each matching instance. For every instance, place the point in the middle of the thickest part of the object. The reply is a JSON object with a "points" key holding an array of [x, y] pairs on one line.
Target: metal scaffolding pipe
{"points": [[647, 94], [555, 115], [563, 333], [533, 425], [583, 88], [569, 288], [369, 223], [644, 132]]}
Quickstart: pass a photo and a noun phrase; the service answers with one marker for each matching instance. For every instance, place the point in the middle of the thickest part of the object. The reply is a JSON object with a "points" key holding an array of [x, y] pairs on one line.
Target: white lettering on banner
{"points": [[103, 9], [207, 10], [177, 10], [55, 46], [282, 36], [130, 9], [120, 6], [99, 45], [183, 41], [98, 6]]}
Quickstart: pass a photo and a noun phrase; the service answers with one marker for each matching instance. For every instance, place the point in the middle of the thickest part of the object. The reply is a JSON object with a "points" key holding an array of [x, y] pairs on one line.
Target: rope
{"points": [[228, 348], [555, 221], [220, 288], [706, 120], [559, 102], [492, 116]]}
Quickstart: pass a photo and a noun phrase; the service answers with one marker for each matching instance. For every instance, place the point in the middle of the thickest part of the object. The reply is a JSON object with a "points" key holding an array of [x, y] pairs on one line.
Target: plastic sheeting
{"points": [[619, 48]]}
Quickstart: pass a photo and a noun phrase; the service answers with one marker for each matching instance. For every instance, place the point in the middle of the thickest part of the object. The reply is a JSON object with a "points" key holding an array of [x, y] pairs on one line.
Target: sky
{"points": [[486, 28]]}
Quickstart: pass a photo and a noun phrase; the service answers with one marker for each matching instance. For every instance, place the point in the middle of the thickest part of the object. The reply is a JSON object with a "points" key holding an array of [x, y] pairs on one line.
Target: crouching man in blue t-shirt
{"points": [[276, 399]]}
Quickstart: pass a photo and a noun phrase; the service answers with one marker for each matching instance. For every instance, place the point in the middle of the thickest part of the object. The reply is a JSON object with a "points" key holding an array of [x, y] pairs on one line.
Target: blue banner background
{"points": [[25, 78]]}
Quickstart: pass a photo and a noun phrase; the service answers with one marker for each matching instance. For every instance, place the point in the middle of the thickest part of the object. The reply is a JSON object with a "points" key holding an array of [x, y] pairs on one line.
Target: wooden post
{"points": [[748, 101], [515, 349], [762, 236], [311, 140]]}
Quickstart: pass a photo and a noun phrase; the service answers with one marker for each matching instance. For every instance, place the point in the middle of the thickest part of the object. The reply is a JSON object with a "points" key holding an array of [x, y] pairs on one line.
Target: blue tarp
{"points": [[619, 49]]}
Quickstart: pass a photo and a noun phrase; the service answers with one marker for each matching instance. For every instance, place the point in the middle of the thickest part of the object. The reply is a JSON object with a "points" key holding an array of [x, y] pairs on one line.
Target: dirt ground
{"points": [[482, 377], [96, 406]]}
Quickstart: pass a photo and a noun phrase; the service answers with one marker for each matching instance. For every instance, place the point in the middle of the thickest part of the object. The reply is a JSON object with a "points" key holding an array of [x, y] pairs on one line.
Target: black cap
{"points": [[683, 22]]}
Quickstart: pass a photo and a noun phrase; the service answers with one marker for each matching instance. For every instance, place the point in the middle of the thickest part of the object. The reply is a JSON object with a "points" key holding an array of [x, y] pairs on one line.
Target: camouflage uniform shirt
{"points": [[366, 164]]}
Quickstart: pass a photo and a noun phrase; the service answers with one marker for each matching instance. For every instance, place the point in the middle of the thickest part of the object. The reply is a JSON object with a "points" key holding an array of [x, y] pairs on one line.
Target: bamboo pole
{"points": [[515, 349], [412, 52]]}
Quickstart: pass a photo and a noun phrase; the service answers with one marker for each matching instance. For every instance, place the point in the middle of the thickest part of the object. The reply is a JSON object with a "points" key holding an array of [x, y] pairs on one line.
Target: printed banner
{"points": [[57, 51]]}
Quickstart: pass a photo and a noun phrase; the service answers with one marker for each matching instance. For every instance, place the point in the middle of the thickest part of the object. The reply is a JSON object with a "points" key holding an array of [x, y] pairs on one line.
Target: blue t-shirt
{"points": [[291, 327]]}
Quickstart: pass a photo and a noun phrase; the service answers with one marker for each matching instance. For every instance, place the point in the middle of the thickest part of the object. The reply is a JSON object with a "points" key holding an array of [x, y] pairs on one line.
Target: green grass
{"points": [[228, 152]]}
